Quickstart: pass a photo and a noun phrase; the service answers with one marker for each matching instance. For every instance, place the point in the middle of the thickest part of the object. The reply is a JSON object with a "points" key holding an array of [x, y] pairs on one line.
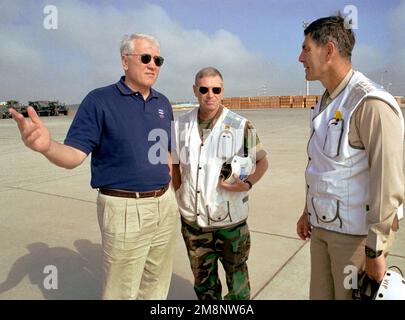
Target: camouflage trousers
{"points": [[231, 246]]}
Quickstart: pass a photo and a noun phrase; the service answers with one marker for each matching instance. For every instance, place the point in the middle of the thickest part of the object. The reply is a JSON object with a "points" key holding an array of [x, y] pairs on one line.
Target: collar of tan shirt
{"points": [[328, 98]]}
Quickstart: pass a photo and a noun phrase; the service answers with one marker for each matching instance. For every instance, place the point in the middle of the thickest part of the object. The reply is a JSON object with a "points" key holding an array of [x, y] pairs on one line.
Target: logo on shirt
{"points": [[161, 113]]}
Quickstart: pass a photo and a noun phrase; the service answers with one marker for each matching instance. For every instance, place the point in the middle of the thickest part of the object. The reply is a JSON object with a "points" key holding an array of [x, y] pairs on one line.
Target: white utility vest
{"points": [[337, 175], [200, 199]]}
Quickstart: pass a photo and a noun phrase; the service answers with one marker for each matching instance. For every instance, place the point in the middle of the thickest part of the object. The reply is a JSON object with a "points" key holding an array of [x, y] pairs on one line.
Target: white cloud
{"points": [[366, 58], [83, 53], [385, 65]]}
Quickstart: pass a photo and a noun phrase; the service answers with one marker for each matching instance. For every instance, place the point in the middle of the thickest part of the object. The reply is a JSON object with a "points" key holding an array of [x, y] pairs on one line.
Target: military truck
{"points": [[23, 111], [58, 108], [41, 107], [4, 106], [53, 108], [63, 109], [4, 114]]}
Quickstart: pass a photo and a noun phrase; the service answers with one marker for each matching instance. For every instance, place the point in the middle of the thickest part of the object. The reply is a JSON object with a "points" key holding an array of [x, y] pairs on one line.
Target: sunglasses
{"points": [[215, 90], [146, 58]]}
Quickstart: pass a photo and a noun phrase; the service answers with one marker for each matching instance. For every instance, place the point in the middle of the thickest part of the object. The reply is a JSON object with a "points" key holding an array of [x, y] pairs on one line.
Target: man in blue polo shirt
{"points": [[126, 128]]}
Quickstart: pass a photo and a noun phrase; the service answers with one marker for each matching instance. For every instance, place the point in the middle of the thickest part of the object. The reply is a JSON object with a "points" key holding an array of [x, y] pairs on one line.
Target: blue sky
{"points": [[254, 43]]}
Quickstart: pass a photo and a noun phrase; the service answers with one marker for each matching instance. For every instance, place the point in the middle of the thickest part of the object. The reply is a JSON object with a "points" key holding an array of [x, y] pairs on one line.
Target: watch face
{"points": [[379, 253], [370, 253]]}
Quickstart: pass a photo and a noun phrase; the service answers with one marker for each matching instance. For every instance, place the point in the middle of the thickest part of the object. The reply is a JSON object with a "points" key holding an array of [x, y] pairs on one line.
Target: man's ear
{"points": [[331, 50], [195, 89], [124, 61]]}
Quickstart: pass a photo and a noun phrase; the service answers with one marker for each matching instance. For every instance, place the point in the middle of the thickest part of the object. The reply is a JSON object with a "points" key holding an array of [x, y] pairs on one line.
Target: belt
{"points": [[134, 194]]}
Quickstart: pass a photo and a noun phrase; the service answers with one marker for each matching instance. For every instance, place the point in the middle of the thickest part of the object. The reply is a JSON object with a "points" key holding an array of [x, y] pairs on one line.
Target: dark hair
{"points": [[333, 29]]}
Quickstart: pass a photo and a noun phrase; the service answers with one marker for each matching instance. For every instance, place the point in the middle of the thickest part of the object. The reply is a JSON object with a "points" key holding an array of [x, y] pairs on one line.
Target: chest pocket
{"points": [[226, 142], [333, 140]]}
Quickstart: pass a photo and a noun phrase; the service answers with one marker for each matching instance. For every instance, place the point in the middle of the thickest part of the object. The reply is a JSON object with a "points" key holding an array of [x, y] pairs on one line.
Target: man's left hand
{"points": [[238, 186], [375, 268]]}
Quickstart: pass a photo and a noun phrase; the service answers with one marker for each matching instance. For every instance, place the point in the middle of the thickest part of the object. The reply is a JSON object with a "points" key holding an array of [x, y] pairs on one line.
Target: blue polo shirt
{"points": [[128, 137]]}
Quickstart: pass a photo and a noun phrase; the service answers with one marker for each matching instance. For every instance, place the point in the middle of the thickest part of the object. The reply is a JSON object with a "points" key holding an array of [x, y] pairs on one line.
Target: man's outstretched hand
{"points": [[33, 132]]}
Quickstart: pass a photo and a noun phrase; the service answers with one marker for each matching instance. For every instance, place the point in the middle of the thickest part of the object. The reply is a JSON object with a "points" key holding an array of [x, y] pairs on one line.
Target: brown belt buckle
{"points": [[137, 195]]}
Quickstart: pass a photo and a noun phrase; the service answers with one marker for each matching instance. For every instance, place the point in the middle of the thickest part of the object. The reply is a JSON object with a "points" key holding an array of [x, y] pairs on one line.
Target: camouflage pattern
{"points": [[231, 246]]}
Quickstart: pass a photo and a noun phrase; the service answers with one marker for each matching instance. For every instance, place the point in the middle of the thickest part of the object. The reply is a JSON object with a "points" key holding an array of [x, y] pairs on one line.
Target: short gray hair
{"points": [[207, 72], [128, 43]]}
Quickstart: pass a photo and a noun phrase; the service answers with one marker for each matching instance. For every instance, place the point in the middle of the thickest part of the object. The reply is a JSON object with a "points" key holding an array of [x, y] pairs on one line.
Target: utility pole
{"points": [[382, 78]]}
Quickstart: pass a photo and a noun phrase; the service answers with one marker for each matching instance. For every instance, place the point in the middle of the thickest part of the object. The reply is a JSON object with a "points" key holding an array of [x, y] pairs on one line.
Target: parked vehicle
{"points": [[63, 109], [4, 114], [41, 107], [58, 108], [4, 106]]}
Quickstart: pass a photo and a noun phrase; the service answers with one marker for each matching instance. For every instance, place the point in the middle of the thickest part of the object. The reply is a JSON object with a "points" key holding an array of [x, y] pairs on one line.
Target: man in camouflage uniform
{"points": [[214, 210], [231, 247]]}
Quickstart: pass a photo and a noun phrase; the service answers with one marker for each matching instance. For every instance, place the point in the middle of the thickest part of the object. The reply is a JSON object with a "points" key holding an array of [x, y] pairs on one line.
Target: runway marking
{"points": [[52, 194], [279, 270], [275, 234]]}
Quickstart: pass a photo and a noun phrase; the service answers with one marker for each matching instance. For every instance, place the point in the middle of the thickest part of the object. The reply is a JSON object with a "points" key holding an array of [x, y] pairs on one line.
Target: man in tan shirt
{"points": [[361, 183]]}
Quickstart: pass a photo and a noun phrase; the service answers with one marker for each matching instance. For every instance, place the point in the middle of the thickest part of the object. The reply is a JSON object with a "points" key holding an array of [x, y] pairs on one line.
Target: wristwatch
{"points": [[249, 183], [370, 253]]}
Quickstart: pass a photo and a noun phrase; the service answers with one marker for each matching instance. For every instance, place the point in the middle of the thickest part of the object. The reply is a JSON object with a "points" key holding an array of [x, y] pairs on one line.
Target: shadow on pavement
{"points": [[60, 273], [181, 289], [64, 274]]}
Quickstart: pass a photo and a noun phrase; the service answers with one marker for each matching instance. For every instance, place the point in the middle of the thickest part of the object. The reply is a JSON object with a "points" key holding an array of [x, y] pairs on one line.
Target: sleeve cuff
{"points": [[77, 145]]}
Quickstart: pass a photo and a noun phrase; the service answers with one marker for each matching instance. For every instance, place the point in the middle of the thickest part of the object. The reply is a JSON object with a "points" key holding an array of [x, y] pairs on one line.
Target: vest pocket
{"points": [[327, 211], [219, 212], [333, 138]]}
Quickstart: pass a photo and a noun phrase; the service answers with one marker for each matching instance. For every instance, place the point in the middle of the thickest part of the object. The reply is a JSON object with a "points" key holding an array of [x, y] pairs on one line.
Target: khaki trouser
{"points": [[138, 239], [331, 253]]}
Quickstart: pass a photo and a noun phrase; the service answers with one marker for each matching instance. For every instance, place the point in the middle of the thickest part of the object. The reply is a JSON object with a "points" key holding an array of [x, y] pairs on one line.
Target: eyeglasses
{"points": [[146, 58], [215, 90]]}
